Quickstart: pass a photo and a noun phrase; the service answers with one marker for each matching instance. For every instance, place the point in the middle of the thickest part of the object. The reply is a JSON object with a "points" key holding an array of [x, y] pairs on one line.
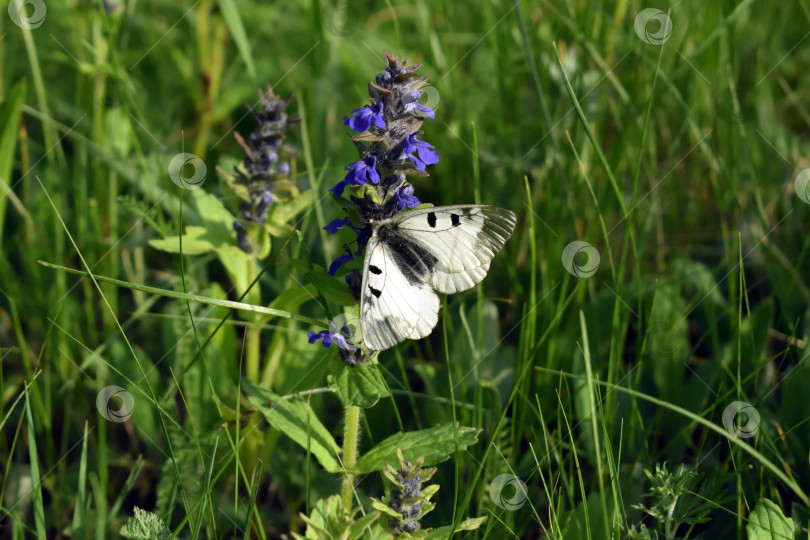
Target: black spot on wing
{"points": [[374, 291], [432, 220], [374, 270], [455, 220]]}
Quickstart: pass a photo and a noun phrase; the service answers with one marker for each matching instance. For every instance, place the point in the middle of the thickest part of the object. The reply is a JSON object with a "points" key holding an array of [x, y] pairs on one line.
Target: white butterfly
{"points": [[414, 254]]}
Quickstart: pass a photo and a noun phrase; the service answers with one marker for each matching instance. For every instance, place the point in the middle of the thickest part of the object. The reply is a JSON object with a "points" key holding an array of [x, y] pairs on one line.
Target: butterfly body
{"points": [[414, 254]]}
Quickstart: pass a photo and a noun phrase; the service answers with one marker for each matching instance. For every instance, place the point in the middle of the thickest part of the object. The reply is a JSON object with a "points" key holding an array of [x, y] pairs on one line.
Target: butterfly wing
{"points": [[397, 301], [462, 239]]}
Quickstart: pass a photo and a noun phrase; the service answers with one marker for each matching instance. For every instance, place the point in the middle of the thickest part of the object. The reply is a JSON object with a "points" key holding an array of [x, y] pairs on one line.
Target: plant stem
{"points": [[253, 331], [252, 351], [351, 432]]}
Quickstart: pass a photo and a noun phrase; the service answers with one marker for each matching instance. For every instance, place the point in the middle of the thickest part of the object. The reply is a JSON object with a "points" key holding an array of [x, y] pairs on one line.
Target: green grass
{"points": [[676, 162]]}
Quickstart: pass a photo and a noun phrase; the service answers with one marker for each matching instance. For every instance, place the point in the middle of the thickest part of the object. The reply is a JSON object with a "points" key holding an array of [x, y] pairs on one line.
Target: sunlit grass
{"points": [[675, 161]]}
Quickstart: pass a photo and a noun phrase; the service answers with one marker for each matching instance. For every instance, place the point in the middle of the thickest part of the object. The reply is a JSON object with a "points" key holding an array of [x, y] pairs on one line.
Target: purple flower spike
{"points": [[365, 116]]}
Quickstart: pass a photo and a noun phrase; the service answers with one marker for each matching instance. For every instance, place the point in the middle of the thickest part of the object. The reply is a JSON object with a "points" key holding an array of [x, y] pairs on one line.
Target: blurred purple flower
{"points": [[337, 224]]}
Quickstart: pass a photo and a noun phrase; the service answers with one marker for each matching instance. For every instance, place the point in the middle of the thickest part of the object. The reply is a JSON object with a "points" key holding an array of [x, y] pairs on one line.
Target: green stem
{"points": [[351, 432], [252, 349], [253, 332]]}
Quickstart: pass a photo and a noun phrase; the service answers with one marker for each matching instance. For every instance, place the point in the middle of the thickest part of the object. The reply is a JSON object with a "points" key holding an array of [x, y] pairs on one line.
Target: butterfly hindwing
{"points": [[395, 304]]}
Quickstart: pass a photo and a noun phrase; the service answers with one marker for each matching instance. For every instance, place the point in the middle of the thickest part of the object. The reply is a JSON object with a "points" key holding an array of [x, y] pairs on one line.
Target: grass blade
{"points": [[254, 489], [39, 507]]}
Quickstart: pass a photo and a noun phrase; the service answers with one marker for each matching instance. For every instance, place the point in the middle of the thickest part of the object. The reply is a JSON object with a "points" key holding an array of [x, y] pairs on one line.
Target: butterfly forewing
{"points": [[463, 240], [448, 248]]}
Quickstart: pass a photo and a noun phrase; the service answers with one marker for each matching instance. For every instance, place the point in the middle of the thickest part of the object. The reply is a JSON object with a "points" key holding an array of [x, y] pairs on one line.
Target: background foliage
{"points": [[676, 162]]}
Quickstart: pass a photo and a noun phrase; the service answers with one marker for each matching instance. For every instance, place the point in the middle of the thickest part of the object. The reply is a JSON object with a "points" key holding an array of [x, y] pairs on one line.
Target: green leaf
{"points": [[237, 263], [360, 386], [469, 524], [360, 528], [435, 443], [237, 29], [292, 298], [329, 520], [767, 522], [196, 241], [293, 417], [214, 216], [753, 335], [380, 506], [587, 516], [9, 132], [332, 288], [667, 339], [284, 212]]}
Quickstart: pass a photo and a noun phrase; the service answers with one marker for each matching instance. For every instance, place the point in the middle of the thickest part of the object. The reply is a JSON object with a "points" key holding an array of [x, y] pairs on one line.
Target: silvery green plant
{"points": [[145, 526], [676, 499]]}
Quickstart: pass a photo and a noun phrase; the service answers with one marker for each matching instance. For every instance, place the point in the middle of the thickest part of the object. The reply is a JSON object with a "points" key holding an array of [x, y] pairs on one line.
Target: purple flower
{"points": [[365, 116], [340, 261], [337, 224], [427, 110], [357, 174], [405, 197], [333, 334], [427, 155], [410, 102]]}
